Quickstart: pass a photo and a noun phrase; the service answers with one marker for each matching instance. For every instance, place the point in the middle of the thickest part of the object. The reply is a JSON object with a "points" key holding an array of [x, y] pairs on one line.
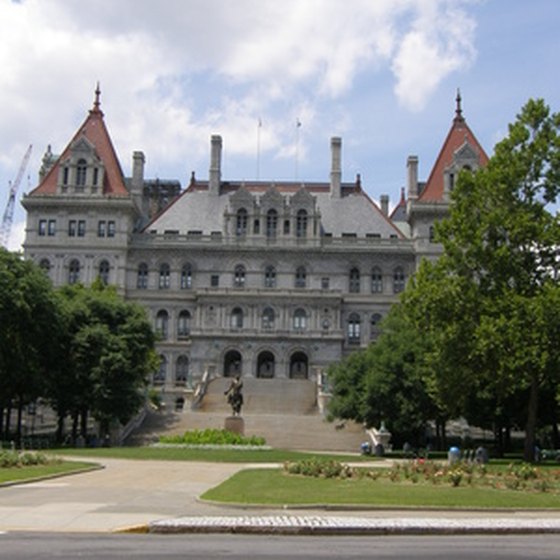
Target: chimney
{"points": [[412, 168], [215, 173], [336, 173], [384, 198], [137, 183]]}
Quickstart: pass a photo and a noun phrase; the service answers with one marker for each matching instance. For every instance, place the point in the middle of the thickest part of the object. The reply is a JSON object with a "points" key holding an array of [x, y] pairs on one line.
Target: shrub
{"points": [[212, 437]]}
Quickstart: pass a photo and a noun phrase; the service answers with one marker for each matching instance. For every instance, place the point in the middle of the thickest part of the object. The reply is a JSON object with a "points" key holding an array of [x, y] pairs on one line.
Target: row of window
{"points": [[268, 320], [269, 279], [181, 370], [271, 224], [77, 228], [80, 174], [75, 270]]}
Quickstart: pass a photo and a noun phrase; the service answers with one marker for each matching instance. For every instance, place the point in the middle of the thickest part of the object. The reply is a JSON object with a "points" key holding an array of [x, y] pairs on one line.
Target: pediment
{"points": [[242, 198], [82, 146], [466, 154], [302, 198], [272, 199]]}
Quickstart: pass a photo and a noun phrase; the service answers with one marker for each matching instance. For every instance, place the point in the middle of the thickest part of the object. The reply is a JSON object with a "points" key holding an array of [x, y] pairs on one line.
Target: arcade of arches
{"points": [[266, 365]]}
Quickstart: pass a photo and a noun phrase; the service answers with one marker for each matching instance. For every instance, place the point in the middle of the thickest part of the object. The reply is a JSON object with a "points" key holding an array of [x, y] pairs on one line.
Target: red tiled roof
{"points": [[95, 131], [457, 136]]}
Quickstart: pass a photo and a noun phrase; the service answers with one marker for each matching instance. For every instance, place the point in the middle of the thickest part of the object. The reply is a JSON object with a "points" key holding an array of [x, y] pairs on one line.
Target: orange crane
{"points": [[8, 216]]}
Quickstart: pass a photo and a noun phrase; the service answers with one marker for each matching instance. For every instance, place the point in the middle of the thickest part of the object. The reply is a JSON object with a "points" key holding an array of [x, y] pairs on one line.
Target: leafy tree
{"points": [[492, 301]]}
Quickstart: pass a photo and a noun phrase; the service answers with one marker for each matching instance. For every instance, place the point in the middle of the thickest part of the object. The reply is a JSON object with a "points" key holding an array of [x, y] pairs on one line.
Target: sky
{"points": [[381, 74]]}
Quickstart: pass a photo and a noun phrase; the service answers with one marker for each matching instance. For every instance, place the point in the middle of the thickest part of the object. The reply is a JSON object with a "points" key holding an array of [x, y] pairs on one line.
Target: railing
{"points": [[200, 390]]}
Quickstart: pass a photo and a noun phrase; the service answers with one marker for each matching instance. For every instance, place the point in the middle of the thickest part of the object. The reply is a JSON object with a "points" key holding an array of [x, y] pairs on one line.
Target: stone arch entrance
{"points": [[232, 363], [299, 365], [265, 365]]}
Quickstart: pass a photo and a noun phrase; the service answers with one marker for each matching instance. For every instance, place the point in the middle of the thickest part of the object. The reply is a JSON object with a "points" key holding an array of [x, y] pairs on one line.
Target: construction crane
{"points": [[8, 216]]}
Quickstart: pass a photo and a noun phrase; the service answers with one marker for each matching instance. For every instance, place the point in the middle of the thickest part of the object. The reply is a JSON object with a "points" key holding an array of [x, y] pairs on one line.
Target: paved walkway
{"points": [[161, 496]]}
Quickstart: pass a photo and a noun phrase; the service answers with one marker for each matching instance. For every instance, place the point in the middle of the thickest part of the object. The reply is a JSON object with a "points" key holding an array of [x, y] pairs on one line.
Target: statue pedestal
{"points": [[235, 424]]}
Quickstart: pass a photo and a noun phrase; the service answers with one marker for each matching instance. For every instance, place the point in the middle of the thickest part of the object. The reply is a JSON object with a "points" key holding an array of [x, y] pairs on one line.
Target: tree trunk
{"points": [[84, 423], [60, 427], [19, 422], [74, 427], [531, 425], [8, 418], [2, 422]]}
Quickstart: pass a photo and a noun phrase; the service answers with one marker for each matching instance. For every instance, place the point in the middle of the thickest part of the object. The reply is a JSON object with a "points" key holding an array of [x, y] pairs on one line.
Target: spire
{"points": [[97, 102], [458, 109]]}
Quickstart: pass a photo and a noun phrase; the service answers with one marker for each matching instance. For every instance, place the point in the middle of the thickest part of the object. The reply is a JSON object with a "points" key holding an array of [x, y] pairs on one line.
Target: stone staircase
{"points": [[283, 411]]}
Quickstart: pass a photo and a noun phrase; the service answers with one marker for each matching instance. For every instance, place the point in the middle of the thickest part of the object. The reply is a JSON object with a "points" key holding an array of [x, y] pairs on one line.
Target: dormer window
{"points": [[241, 225], [81, 169], [301, 224]]}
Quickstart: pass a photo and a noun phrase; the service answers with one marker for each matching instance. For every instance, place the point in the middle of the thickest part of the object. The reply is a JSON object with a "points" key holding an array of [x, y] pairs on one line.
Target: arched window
{"points": [[74, 271], [241, 223], [45, 265], [182, 370], [298, 366], [268, 318], [300, 319], [81, 169], [232, 364], [239, 276], [104, 269], [161, 374], [164, 276], [186, 277], [354, 328], [265, 365], [183, 323], [301, 277], [399, 280], [162, 324], [376, 281], [271, 223], [375, 323], [301, 223], [354, 281], [142, 277], [236, 319], [270, 277]]}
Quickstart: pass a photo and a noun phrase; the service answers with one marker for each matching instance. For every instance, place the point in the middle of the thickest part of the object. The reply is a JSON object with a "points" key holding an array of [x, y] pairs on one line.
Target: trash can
{"points": [[453, 455], [379, 450]]}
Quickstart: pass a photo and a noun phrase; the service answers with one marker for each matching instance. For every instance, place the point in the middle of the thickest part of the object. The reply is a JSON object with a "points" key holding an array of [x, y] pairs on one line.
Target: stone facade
{"points": [[262, 279]]}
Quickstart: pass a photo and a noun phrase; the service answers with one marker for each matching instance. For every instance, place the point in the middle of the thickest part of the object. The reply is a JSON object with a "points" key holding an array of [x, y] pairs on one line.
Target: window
{"points": [[286, 227], [81, 169], [354, 281], [81, 228], [104, 269], [101, 228], [301, 277], [376, 281], [354, 329], [214, 280], [161, 374], [111, 228], [42, 228], [182, 370], [301, 223], [74, 271], [300, 319], [375, 326], [52, 228], [186, 277], [184, 324], [432, 234], [72, 228], [256, 227], [65, 176], [268, 318], [142, 277], [325, 283], [239, 276], [398, 280], [162, 324], [45, 265], [95, 176], [271, 223], [236, 318], [164, 276], [270, 277], [241, 225]]}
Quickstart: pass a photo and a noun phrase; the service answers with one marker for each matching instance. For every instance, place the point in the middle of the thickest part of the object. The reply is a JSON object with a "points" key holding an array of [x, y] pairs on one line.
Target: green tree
{"points": [[111, 354], [491, 302]]}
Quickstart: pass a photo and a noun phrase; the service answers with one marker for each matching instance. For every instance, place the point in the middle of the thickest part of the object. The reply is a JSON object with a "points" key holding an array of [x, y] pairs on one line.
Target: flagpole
{"points": [[259, 126], [298, 126]]}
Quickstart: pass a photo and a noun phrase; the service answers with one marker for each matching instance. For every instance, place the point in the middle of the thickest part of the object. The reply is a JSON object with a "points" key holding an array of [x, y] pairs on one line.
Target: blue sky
{"points": [[382, 74]]}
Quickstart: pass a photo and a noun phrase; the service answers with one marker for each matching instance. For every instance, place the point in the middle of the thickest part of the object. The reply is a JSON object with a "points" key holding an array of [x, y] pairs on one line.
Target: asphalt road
{"points": [[20, 546]]}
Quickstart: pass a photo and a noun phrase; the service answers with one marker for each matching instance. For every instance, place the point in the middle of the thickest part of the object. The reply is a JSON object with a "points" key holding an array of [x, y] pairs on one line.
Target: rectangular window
{"points": [[81, 228], [42, 227], [72, 228], [101, 228], [325, 283], [214, 280], [52, 228], [110, 228], [95, 176]]}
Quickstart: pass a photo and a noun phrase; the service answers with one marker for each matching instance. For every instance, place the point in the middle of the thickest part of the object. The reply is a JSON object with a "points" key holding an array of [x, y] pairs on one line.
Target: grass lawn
{"points": [[206, 455], [19, 474], [275, 487]]}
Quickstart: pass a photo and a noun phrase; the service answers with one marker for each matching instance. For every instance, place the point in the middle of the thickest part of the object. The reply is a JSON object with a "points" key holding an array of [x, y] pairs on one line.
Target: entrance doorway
{"points": [[232, 364], [265, 365], [298, 366]]}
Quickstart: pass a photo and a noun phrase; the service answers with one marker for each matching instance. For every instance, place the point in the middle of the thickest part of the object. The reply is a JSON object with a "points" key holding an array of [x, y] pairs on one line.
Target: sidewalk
{"points": [[162, 496]]}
